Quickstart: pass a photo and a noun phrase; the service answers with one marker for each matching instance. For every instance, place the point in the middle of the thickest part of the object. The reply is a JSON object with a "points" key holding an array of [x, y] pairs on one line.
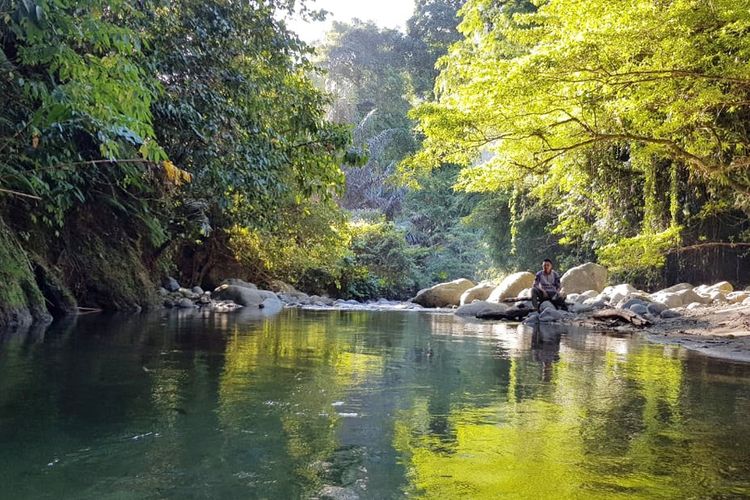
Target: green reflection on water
{"points": [[597, 430], [377, 405]]}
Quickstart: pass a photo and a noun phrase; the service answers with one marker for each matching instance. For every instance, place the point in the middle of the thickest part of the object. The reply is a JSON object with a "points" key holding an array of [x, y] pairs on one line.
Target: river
{"points": [[335, 404]]}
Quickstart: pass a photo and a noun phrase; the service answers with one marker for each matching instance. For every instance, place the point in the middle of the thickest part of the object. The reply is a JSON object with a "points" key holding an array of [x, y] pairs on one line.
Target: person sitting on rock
{"points": [[547, 287]]}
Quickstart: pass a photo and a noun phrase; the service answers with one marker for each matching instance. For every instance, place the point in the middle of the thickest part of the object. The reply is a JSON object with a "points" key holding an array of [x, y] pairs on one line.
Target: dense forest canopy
{"points": [[210, 140], [582, 106]]}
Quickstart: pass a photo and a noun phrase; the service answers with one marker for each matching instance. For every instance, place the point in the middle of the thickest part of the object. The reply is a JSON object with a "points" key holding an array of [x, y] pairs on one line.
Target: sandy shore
{"points": [[717, 331]]}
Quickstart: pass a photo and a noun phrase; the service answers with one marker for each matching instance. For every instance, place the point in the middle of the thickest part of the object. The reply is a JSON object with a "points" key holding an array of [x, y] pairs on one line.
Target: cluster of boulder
{"points": [[585, 289], [235, 293]]}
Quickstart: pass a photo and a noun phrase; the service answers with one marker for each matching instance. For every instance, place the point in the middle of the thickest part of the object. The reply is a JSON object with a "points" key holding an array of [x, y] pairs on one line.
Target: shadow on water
{"points": [[184, 404]]}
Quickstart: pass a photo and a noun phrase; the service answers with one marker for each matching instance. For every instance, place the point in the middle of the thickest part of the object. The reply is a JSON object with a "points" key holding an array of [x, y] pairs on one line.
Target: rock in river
{"points": [[443, 294], [480, 307]]}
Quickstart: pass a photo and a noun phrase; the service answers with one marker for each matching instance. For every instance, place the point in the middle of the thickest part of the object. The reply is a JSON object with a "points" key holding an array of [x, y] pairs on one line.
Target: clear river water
{"points": [[345, 405]]}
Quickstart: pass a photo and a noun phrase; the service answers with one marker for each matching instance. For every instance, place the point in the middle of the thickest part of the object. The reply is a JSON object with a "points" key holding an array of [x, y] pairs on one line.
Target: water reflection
{"points": [[545, 347], [374, 405]]}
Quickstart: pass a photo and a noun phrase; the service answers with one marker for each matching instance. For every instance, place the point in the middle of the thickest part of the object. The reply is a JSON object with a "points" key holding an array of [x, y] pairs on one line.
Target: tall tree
{"points": [[536, 101]]}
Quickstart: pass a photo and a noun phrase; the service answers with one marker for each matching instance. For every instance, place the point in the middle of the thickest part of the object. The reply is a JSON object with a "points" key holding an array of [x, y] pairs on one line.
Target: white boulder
{"points": [[511, 286], [588, 276], [689, 296], [443, 294], [479, 292], [618, 292], [737, 297], [676, 288], [670, 300], [722, 286]]}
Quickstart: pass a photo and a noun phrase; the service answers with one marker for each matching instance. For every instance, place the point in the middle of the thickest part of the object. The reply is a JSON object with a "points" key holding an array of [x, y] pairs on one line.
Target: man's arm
{"points": [[538, 281]]}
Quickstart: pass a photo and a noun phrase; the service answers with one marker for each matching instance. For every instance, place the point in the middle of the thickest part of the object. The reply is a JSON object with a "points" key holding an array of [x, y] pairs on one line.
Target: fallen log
{"points": [[514, 313], [625, 315]]}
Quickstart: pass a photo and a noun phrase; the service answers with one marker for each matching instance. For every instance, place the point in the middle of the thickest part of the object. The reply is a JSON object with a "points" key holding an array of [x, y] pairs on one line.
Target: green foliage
{"points": [[640, 256], [238, 110], [668, 75], [367, 76], [309, 236], [436, 220], [382, 262], [431, 30], [77, 97], [611, 117], [178, 118]]}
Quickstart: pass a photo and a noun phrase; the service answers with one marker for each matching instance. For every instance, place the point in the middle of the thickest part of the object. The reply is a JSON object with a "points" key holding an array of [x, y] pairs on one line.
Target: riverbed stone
{"points": [[595, 303], [628, 303], [479, 292], [550, 315], [532, 318], [737, 297], [546, 305], [656, 308], [525, 293], [480, 307], [582, 297], [676, 288], [669, 300], [240, 283], [679, 299], [279, 286], [689, 296], [580, 308], [197, 290], [188, 294], [163, 292], [618, 292], [588, 276], [639, 309], [670, 314], [443, 294], [171, 284], [185, 303], [511, 286], [722, 286], [241, 295]]}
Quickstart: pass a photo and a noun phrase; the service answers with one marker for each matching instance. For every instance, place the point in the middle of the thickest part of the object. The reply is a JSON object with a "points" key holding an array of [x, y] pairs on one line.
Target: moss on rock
{"points": [[104, 267], [21, 300]]}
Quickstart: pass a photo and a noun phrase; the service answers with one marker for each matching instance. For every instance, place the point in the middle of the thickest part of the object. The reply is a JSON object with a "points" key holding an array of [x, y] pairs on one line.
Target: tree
{"points": [[238, 110], [545, 102], [366, 74]]}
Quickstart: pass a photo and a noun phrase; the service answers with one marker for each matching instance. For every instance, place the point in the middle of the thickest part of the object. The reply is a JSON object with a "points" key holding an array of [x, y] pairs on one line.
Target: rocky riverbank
{"points": [[713, 319], [234, 294]]}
